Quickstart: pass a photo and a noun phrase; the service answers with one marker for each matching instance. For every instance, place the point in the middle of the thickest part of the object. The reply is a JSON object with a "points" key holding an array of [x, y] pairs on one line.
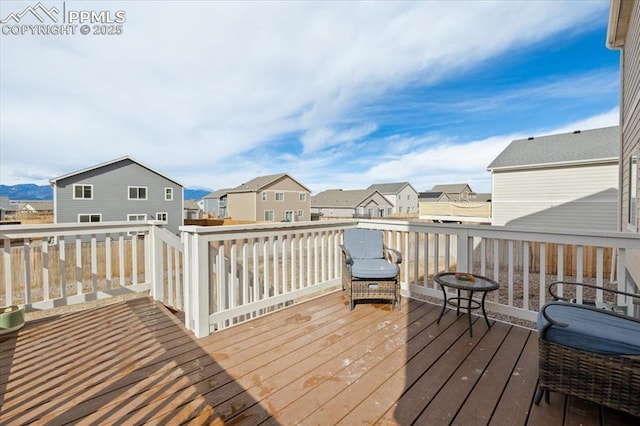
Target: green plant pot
{"points": [[11, 318]]}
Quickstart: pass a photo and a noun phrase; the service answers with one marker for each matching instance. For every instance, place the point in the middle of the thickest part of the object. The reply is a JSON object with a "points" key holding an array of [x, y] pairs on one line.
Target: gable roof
{"points": [[431, 195], [218, 193], [191, 205], [344, 198], [453, 188], [108, 163], [389, 188], [566, 148], [260, 182]]}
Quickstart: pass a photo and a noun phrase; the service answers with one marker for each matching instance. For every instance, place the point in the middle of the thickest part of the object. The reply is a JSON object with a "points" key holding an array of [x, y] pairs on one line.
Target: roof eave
{"points": [[610, 160], [619, 16]]}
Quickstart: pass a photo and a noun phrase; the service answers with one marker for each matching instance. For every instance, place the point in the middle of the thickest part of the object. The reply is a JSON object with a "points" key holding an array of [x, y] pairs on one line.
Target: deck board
{"points": [[312, 363]]}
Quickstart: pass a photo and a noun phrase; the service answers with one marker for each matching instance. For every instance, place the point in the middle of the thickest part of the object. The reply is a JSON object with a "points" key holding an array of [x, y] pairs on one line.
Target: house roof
{"points": [[343, 198], [191, 205], [566, 148], [453, 188], [218, 193], [430, 195], [389, 188], [38, 206], [260, 182], [108, 163]]}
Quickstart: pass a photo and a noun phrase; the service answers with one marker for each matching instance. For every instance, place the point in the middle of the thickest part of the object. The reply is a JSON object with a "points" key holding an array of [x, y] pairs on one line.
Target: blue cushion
{"points": [[591, 330], [374, 268], [363, 243]]}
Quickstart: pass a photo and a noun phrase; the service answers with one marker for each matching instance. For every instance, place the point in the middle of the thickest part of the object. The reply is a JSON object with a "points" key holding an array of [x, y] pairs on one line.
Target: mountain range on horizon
{"points": [[30, 191]]}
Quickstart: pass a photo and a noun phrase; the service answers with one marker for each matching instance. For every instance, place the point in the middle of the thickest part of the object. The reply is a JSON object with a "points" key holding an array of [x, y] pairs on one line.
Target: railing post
{"points": [[462, 251], [200, 286], [155, 265]]}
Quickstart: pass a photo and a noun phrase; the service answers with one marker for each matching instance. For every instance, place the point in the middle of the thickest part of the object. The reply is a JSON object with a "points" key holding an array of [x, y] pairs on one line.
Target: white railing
{"points": [[523, 261], [239, 272], [222, 275], [47, 266]]}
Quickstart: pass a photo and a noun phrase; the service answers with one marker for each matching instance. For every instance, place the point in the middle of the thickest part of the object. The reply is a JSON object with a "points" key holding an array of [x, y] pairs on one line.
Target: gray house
{"points": [[119, 190], [563, 181], [216, 202], [401, 195], [350, 203]]}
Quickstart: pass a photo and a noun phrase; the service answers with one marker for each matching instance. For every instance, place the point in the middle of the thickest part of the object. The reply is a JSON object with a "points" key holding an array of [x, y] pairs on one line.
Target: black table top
{"points": [[466, 281]]}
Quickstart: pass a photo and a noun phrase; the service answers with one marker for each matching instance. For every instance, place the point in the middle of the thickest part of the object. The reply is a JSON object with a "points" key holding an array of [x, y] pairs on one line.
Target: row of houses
{"points": [[566, 181]]}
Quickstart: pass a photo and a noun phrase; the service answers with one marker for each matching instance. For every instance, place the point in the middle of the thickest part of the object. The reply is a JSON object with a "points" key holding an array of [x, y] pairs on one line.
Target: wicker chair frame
{"points": [[370, 289], [607, 379]]}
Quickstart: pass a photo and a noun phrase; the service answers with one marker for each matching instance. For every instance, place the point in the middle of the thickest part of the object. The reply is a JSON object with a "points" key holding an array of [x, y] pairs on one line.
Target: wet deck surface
{"points": [[315, 363]]}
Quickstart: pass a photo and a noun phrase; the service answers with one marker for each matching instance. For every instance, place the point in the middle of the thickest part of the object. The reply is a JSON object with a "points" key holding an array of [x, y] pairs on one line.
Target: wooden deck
{"points": [[316, 363]]}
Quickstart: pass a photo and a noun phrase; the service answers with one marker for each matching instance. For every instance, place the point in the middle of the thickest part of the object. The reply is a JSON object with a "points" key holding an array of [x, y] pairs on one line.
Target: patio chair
{"points": [[589, 352], [370, 269]]}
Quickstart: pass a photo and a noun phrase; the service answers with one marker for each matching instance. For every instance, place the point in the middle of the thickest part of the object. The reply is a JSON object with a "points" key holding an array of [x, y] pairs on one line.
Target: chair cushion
{"points": [[591, 331], [364, 243], [374, 268]]}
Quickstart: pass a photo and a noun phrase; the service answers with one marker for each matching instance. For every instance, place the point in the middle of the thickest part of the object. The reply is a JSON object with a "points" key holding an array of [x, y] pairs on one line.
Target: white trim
{"points": [[90, 215], [146, 193], [83, 185]]}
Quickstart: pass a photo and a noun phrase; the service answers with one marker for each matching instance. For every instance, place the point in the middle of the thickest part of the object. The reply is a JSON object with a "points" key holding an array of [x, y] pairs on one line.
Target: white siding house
{"points": [[350, 203], [564, 181], [624, 33], [402, 196]]}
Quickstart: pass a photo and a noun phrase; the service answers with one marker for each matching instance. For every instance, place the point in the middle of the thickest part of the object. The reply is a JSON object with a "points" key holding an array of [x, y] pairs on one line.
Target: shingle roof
{"points": [[342, 198], [256, 184], [108, 163], [389, 188], [218, 193], [453, 188], [430, 195], [575, 147]]}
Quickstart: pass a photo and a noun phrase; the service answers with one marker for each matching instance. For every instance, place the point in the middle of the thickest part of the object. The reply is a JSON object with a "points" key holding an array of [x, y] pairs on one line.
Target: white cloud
{"points": [[207, 91]]}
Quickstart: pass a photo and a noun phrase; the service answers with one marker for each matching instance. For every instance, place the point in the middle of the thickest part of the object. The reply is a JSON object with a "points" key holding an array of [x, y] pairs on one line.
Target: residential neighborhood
{"points": [[396, 218]]}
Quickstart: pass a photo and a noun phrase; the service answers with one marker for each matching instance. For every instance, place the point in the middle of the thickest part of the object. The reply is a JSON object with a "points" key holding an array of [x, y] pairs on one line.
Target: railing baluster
{"points": [[543, 274], [525, 274], [27, 270], [79, 289], [45, 269]]}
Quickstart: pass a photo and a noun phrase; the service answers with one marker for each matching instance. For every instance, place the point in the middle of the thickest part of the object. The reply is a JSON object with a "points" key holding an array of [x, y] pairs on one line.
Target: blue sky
{"points": [[337, 94]]}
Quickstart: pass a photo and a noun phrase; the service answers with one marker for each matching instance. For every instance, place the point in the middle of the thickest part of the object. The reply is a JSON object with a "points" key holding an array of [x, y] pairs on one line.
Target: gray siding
{"points": [[630, 122], [110, 195], [561, 198]]}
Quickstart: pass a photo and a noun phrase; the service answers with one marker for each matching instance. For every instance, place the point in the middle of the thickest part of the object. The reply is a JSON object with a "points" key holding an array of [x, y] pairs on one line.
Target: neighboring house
{"points": [[118, 190], [437, 206], [402, 196], [5, 206], [272, 198], [564, 181], [45, 207], [455, 191], [433, 197], [216, 202], [351, 203], [624, 33], [191, 210]]}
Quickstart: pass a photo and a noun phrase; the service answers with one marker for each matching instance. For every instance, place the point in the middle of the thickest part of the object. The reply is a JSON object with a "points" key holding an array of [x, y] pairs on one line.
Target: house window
{"points": [[168, 194], [288, 216], [82, 192], [399, 209], [264, 195], [633, 190], [137, 192], [279, 196], [303, 196], [300, 213], [136, 217], [162, 216], [269, 215], [86, 218]]}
